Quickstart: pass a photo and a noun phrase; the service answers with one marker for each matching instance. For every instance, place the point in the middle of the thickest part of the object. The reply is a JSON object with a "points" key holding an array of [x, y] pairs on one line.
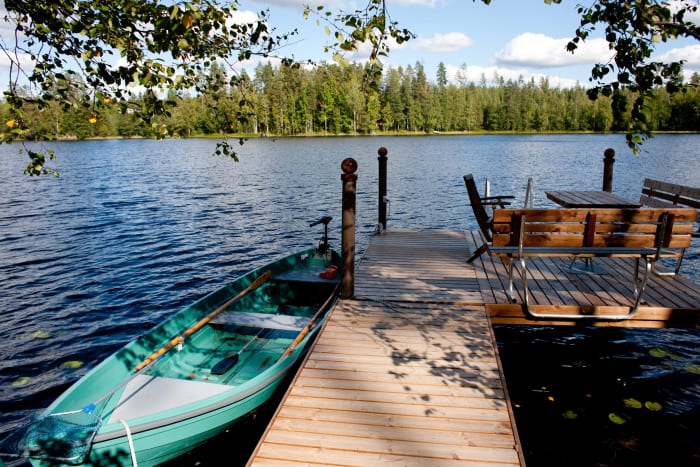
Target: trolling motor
{"points": [[323, 244]]}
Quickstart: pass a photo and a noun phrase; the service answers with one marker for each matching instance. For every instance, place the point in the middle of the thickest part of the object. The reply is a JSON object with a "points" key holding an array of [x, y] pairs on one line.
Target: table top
{"points": [[590, 199]]}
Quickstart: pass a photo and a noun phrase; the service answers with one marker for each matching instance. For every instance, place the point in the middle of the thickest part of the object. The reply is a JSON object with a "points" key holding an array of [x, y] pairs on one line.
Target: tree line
{"points": [[338, 99]]}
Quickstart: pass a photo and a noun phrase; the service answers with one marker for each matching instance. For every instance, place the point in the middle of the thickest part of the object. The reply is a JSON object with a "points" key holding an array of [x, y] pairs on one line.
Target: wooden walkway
{"points": [[406, 373]]}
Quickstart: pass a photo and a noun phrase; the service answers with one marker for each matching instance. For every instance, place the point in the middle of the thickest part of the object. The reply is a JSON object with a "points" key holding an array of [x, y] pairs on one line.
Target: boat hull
{"points": [[179, 401], [159, 445]]}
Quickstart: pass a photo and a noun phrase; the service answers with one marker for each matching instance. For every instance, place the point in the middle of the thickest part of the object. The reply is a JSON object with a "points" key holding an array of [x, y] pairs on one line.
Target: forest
{"points": [[335, 99]]}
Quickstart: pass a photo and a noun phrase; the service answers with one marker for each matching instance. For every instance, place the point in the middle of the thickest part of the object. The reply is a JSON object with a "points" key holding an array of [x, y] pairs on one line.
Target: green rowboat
{"points": [[192, 376]]}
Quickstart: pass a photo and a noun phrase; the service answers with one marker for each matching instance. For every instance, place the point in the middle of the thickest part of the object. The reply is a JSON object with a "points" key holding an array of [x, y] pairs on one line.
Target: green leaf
{"points": [[21, 381], [633, 403], [653, 406], [616, 419], [72, 364]]}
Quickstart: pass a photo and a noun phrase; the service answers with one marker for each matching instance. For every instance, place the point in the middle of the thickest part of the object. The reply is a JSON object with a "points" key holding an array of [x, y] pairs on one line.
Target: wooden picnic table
{"points": [[590, 199]]}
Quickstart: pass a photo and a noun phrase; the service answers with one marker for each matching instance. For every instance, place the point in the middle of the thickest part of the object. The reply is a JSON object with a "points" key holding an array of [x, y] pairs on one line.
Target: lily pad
{"points": [[658, 353], [38, 334], [633, 403], [692, 368], [72, 364], [570, 415], [653, 406], [617, 419], [21, 381]]}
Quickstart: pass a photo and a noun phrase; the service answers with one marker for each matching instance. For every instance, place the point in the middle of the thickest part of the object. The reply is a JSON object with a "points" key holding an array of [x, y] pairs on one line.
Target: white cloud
{"points": [[538, 50], [693, 16], [364, 50], [443, 43], [24, 61], [477, 74], [690, 54], [243, 17]]}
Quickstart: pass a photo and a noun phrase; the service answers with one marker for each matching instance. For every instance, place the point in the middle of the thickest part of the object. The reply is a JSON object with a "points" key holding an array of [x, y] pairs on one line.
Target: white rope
{"points": [[131, 443]]}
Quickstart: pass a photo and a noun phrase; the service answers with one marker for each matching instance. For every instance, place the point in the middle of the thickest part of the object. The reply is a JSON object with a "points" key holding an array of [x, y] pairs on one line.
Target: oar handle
{"points": [[308, 327], [192, 329]]}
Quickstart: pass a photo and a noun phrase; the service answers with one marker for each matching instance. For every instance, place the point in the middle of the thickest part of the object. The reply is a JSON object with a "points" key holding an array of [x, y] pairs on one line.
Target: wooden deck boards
{"points": [[670, 301], [404, 373], [407, 372]]}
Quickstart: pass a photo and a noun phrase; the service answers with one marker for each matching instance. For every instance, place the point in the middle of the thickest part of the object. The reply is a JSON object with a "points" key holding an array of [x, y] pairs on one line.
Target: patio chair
{"points": [[478, 204]]}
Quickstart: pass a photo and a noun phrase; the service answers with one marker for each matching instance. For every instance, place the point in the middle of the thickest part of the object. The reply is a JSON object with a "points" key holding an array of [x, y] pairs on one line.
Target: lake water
{"points": [[132, 231]]}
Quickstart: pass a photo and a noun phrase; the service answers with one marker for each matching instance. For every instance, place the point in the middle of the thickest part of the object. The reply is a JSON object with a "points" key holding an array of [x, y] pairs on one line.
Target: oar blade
{"points": [[224, 365]]}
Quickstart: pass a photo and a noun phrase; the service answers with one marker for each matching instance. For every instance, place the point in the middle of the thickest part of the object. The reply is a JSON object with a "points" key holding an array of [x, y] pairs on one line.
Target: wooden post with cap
{"points": [[608, 162], [349, 178], [382, 152]]}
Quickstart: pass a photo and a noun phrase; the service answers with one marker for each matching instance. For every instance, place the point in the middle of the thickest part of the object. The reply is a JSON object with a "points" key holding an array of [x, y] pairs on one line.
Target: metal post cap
{"points": [[349, 165]]}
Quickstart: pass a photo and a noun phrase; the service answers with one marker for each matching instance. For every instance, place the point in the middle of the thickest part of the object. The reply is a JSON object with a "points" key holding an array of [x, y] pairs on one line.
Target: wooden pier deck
{"points": [[671, 301], [407, 372]]}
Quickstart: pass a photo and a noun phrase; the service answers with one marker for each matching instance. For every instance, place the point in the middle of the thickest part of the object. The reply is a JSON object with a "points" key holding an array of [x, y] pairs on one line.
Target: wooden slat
{"points": [[584, 199], [604, 215]]}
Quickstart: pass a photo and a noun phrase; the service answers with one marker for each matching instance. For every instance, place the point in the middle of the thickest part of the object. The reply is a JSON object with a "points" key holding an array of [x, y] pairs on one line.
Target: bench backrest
{"points": [[658, 194], [576, 228]]}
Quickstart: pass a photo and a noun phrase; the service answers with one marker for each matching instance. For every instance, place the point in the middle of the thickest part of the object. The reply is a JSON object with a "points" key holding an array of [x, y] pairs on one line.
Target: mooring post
{"points": [[349, 178], [382, 186], [608, 169]]}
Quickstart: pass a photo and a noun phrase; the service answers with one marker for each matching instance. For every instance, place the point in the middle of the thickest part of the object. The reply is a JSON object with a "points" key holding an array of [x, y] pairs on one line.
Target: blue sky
{"points": [[511, 38]]}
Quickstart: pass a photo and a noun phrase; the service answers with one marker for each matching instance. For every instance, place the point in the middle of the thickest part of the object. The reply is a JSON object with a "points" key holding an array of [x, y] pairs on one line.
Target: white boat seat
{"points": [[148, 395], [261, 320]]}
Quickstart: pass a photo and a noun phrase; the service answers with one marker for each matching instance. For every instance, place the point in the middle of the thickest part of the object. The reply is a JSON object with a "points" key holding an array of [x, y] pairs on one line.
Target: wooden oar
{"points": [[181, 338], [227, 363]]}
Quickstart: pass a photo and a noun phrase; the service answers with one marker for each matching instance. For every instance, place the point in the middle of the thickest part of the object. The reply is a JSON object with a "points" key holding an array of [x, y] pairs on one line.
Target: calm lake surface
{"points": [[132, 231]]}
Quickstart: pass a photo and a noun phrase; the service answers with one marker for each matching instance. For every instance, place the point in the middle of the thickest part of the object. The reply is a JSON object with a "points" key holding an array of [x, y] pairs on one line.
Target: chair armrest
{"points": [[496, 201], [486, 198], [500, 204]]}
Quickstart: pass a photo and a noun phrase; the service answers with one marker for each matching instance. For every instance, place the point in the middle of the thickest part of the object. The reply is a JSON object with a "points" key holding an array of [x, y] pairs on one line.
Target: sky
{"points": [[510, 38]]}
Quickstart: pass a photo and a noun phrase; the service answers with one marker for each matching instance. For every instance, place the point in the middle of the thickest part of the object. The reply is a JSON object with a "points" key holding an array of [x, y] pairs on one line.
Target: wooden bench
{"points": [[658, 194], [586, 233]]}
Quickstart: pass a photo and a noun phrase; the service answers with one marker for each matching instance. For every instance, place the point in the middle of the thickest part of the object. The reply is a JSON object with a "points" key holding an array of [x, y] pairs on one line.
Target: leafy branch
{"points": [[632, 29], [371, 25], [119, 50]]}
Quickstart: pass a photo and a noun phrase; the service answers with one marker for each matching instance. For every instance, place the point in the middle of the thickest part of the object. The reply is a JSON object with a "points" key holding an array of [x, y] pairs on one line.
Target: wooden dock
{"points": [[407, 372]]}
